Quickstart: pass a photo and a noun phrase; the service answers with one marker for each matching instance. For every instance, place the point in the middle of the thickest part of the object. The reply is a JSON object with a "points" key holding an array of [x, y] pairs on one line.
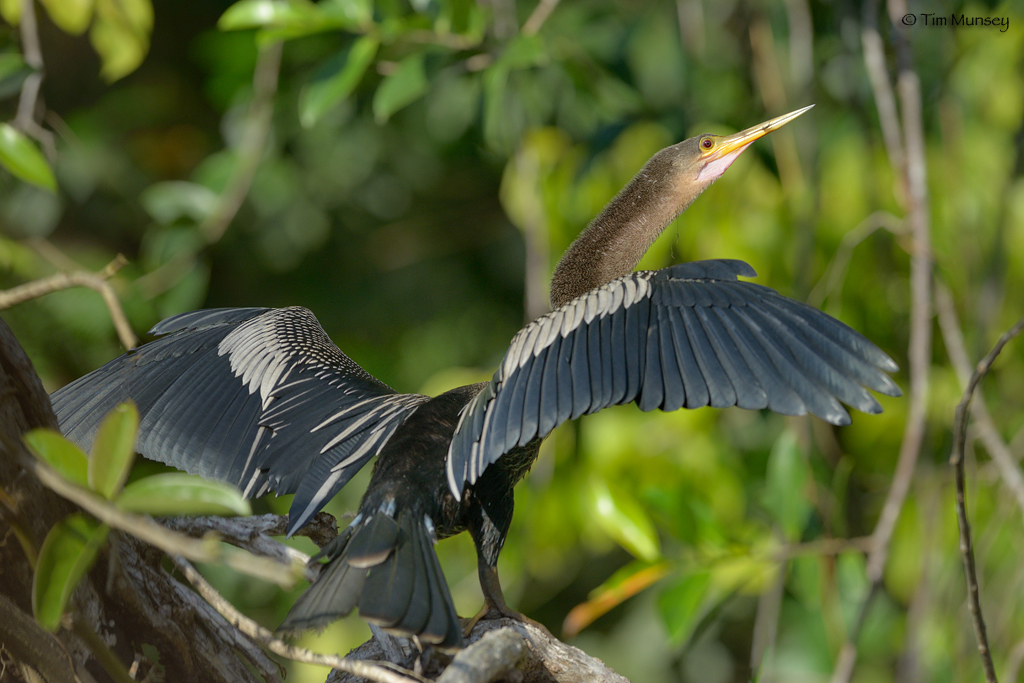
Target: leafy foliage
{"points": [[419, 153], [72, 545]]}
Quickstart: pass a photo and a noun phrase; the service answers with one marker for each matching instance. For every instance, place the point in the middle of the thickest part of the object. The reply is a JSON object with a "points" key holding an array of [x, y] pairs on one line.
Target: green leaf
{"points": [[337, 83], [71, 16], [289, 19], [172, 200], [177, 493], [67, 554], [622, 518], [120, 35], [62, 455], [682, 604], [24, 160], [401, 88], [785, 485], [113, 450]]}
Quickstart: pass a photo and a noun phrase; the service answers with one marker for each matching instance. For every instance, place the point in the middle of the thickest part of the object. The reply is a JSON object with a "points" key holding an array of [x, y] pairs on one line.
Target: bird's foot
{"points": [[491, 611]]}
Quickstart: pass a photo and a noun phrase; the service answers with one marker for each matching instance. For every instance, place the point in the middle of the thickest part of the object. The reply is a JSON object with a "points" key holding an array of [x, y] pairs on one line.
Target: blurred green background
{"points": [[416, 169]]}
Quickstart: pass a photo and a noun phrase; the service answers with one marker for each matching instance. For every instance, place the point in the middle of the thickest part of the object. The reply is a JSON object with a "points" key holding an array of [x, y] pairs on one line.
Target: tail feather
{"points": [[390, 570]]}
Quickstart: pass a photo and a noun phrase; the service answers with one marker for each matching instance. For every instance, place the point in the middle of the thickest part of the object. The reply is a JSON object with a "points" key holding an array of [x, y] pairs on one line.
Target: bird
{"points": [[261, 398]]}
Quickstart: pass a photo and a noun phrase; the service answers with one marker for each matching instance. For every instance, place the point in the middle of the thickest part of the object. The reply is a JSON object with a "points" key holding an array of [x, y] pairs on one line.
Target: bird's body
{"points": [[262, 398]]}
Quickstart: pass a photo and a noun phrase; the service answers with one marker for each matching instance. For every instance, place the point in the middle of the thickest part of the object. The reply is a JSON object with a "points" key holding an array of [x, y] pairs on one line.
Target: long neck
{"points": [[617, 239]]}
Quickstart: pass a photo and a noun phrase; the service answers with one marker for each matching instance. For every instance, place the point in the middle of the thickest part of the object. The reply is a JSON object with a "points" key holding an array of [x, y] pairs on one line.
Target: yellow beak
{"points": [[731, 143]]}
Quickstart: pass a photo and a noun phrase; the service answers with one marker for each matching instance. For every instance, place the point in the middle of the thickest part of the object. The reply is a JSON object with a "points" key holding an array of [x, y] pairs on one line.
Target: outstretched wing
{"points": [[688, 336], [257, 397]]}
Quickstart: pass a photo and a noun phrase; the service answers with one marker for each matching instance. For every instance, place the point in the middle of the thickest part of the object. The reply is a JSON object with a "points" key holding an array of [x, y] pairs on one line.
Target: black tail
{"points": [[388, 568]]}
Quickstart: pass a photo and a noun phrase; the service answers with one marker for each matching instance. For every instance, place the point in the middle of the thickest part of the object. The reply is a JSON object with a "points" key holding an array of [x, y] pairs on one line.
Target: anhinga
{"points": [[263, 399]]}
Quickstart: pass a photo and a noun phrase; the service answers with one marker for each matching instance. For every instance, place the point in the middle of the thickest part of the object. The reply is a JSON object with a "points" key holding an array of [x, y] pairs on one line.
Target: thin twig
{"points": [[95, 281], [956, 460], [539, 15], [1009, 469], [145, 529], [250, 152], [263, 636], [28, 102]]}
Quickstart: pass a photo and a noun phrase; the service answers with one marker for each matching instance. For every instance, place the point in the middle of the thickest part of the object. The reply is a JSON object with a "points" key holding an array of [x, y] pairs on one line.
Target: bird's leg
{"points": [[494, 601]]}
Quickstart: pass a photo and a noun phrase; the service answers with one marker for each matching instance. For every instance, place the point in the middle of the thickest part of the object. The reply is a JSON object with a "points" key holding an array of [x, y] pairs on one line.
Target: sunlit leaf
{"points": [[404, 86], [622, 518], [67, 554], [280, 19], [120, 35], [624, 584], [177, 493], [330, 88], [60, 454], [10, 10], [71, 16], [113, 450], [354, 13], [786, 484], [24, 160]]}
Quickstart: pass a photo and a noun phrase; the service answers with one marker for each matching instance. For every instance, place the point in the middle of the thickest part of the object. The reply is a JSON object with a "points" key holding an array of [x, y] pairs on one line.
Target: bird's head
{"points": [[693, 164]]}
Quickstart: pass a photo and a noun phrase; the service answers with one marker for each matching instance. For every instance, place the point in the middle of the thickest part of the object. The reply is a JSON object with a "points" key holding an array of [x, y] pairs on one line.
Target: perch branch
{"points": [[956, 460], [263, 636]]}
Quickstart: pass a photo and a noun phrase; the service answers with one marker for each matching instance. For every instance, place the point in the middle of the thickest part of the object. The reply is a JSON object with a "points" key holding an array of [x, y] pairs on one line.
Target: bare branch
{"points": [[95, 281], [264, 637], [956, 460], [28, 102]]}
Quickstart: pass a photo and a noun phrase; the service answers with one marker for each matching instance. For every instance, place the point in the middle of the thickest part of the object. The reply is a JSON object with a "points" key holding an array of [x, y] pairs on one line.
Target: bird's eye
{"points": [[707, 143]]}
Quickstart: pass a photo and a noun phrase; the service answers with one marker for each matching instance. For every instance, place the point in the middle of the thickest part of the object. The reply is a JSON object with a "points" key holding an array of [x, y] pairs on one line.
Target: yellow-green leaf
{"points": [[24, 160], [622, 518], [177, 493], [120, 35], [402, 87], [10, 10], [71, 16], [113, 450], [67, 554], [338, 83], [62, 455]]}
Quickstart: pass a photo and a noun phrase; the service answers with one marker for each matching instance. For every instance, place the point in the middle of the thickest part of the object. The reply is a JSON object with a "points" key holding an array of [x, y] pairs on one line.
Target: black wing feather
{"points": [[689, 335], [260, 398]]}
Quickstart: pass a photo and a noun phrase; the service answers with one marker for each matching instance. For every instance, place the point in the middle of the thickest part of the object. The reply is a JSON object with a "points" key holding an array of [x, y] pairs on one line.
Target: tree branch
{"points": [[95, 281]]}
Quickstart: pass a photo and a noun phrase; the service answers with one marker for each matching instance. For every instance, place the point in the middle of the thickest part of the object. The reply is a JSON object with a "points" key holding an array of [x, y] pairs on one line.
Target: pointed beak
{"points": [[738, 141]]}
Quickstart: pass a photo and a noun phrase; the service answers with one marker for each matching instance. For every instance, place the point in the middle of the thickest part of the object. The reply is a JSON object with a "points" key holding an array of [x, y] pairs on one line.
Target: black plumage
{"points": [[263, 399]]}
